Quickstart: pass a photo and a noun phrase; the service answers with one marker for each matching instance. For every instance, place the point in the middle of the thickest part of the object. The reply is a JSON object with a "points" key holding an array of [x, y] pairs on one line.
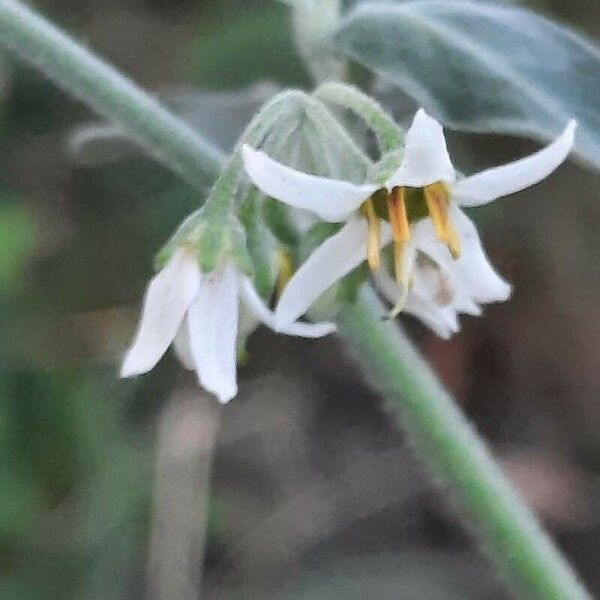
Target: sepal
{"points": [[260, 242]]}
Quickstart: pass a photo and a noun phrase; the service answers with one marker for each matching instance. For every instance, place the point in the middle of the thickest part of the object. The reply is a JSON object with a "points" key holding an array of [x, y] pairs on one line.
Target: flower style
{"points": [[200, 314], [440, 268]]}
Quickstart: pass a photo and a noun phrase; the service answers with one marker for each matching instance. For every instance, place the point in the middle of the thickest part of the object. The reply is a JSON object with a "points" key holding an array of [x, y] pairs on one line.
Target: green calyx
{"points": [[212, 245], [219, 230]]}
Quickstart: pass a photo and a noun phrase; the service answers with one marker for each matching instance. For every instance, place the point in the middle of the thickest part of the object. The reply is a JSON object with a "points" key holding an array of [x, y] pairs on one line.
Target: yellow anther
{"points": [[437, 201], [403, 278], [436, 212], [373, 236], [399, 261], [396, 202], [453, 243], [285, 270]]}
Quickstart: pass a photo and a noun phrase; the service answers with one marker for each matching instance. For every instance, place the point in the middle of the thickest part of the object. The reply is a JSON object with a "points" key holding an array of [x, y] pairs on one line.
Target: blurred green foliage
{"points": [[77, 445], [17, 243], [240, 43]]}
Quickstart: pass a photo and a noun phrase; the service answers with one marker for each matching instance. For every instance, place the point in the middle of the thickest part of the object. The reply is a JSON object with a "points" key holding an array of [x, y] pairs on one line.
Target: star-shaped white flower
{"points": [[445, 245], [200, 314]]}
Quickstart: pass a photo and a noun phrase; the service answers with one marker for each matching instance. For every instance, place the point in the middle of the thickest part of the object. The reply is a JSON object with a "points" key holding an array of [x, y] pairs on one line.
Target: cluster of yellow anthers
{"points": [[436, 197]]}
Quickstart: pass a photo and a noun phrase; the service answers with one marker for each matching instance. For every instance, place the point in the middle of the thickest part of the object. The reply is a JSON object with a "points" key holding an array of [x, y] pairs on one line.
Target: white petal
{"points": [[463, 303], [213, 320], [442, 320], [330, 199], [262, 312], [430, 280], [440, 281], [182, 347], [426, 158], [333, 259], [472, 274], [473, 267], [387, 285], [516, 176], [167, 299], [439, 284]]}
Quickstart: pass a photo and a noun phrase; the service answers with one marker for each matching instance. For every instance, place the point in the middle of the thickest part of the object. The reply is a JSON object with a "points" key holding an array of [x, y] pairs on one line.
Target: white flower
{"points": [[200, 313], [439, 264], [443, 287]]}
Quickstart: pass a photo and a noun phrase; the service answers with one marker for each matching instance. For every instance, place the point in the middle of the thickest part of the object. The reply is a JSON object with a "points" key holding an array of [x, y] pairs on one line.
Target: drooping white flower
{"points": [[200, 314], [440, 267], [444, 287]]}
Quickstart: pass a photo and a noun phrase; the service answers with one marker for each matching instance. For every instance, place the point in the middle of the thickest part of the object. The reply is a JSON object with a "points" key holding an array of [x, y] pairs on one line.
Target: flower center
{"points": [[401, 207]]}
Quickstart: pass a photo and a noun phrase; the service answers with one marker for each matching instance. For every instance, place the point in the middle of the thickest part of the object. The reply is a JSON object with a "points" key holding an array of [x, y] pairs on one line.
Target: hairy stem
{"points": [[113, 96], [389, 135], [510, 534]]}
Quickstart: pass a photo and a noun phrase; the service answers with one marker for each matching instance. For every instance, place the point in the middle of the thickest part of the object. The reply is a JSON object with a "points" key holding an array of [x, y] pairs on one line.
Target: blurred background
{"points": [[104, 483]]}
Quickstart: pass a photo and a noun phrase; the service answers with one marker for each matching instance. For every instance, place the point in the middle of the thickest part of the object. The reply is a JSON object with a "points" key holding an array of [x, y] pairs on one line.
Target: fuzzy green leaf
{"points": [[483, 67]]}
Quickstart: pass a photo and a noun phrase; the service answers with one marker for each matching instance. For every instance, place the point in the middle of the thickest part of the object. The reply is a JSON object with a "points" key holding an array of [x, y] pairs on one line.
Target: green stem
{"points": [[389, 135], [113, 96], [217, 212], [532, 566]]}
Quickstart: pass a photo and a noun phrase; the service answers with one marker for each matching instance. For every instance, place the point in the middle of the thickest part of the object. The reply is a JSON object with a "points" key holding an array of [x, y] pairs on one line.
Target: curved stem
{"points": [[389, 135], [510, 534], [115, 97]]}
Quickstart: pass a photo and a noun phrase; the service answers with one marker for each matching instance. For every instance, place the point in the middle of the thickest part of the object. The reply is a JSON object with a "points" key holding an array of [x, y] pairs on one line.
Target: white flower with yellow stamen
{"points": [[200, 314], [444, 287], [444, 248]]}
